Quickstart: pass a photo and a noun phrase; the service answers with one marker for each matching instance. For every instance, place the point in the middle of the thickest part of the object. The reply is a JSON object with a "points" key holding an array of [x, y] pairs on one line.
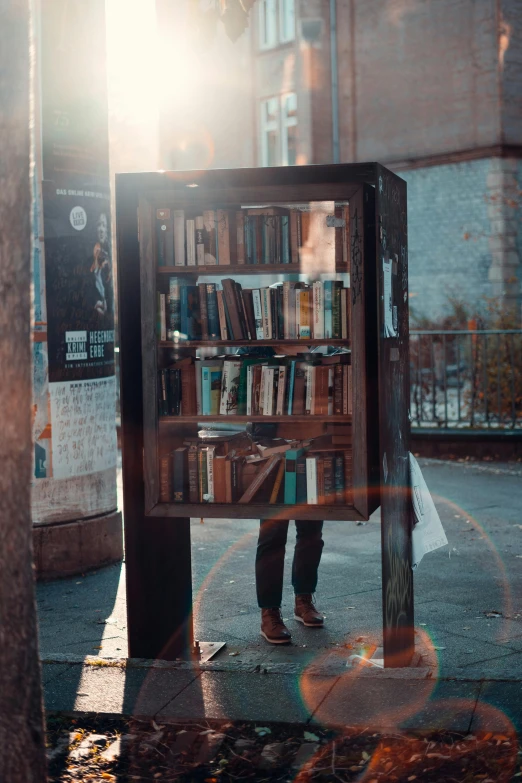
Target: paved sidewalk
{"points": [[468, 614]]}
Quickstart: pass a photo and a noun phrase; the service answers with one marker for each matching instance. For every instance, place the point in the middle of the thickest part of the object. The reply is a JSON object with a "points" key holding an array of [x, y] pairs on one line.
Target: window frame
{"points": [[280, 125], [286, 8], [268, 33]]}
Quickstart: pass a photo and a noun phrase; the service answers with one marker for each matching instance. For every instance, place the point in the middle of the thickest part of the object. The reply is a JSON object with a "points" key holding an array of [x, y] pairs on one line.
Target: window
{"points": [[289, 129], [268, 23], [286, 20], [279, 130], [276, 22]]}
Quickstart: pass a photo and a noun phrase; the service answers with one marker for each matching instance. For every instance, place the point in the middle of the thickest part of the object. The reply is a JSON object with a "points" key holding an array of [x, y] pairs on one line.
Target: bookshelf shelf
{"points": [[243, 269], [305, 342], [341, 231], [169, 421], [255, 511]]}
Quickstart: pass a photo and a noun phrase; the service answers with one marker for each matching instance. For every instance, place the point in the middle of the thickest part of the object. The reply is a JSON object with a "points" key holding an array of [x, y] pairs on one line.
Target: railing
{"points": [[466, 379]]}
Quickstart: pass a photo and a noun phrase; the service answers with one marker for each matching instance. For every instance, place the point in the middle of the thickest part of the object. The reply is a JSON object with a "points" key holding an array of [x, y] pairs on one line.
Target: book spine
{"points": [[285, 239], [193, 474], [232, 310], [294, 236], [249, 312], [259, 479], [268, 398], [304, 316], [309, 385], [328, 292], [280, 314], [291, 383], [277, 484], [199, 407], [338, 213], [336, 310], [163, 318], [311, 481], [174, 303], [248, 239], [339, 479], [249, 374], [216, 374], [338, 389], [344, 313], [164, 238], [258, 313], [188, 390], [320, 481], [229, 388], [179, 475], [202, 474], [345, 389], [205, 391], [273, 311], [292, 293], [280, 405], [179, 237], [240, 237], [210, 237], [299, 396], [222, 317], [242, 312], [165, 478], [210, 473], [330, 391], [300, 480], [163, 399], [214, 330], [202, 291], [191, 242], [346, 235], [267, 313], [223, 231], [318, 313], [329, 487], [200, 240]]}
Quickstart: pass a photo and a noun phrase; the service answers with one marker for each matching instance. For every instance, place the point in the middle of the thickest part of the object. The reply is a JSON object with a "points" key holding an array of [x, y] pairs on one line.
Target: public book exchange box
{"points": [[263, 319]]}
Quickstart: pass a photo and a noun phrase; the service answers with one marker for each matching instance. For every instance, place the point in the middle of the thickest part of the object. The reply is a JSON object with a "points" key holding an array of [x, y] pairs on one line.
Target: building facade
{"points": [[430, 88]]}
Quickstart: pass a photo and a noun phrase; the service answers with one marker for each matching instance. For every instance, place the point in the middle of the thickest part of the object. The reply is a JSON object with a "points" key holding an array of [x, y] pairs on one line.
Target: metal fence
{"points": [[466, 379]]}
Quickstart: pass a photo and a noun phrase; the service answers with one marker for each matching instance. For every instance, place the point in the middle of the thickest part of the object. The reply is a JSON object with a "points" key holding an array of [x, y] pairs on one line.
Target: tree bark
{"points": [[22, 737]]}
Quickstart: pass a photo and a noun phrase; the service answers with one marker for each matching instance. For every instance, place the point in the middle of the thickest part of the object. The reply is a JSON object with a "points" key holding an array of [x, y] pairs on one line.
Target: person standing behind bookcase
{"points": [[270, 555]]}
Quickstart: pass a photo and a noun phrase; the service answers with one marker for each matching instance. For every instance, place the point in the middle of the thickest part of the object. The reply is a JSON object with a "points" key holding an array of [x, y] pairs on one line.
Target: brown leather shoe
{"points": [[273, 628], [306, 612]]}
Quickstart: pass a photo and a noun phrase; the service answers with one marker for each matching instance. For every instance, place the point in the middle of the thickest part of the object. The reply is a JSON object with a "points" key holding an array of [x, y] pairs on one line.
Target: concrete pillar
{"points": [[74, 507]]}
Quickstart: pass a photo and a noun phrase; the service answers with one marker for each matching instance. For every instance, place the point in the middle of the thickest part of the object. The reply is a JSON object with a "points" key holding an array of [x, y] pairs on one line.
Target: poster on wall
{"points": [[80, 283], [84, 432]]}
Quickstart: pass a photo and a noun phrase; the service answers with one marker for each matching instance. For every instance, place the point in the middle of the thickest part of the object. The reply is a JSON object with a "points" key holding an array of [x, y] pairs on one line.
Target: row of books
{"points": [[315, 384], [198, 474], [288, 310], [264, 235]]}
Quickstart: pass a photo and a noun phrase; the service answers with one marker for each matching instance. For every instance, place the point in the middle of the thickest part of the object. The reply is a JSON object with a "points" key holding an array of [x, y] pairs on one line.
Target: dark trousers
{"points": [[270, 559]]}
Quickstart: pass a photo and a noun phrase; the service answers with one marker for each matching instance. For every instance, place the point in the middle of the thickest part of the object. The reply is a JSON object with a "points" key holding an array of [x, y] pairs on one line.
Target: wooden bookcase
{"points": [[373, 267]]}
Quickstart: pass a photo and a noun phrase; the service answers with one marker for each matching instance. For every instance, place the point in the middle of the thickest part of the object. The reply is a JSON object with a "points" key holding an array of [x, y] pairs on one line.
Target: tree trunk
{"points": [[22, 737]]}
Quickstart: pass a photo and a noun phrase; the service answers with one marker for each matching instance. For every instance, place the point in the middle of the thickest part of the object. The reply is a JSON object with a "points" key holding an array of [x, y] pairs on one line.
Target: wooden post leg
{"points": [[159, 589], [397, 584]]}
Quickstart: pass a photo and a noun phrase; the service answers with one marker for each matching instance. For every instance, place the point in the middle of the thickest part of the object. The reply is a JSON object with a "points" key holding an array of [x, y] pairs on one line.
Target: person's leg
{"points": [[270, 563], [307, 556]]}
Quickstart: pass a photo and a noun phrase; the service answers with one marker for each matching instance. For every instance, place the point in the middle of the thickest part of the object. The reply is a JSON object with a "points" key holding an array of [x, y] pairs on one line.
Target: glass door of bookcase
{"points": [[254, 359]]}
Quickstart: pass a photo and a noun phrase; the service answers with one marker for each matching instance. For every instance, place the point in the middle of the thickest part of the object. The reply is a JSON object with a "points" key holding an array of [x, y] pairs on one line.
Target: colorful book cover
{"points": [[179, 237], [230, 387], [291, 457]]}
